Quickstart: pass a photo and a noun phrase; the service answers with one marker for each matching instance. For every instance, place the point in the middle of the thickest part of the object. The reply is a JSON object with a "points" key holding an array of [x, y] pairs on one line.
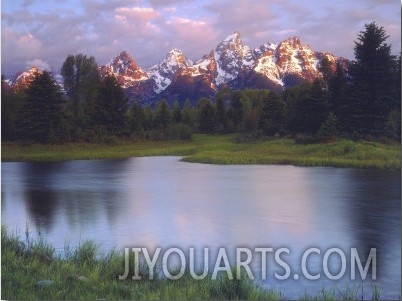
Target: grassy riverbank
{"points": [[33, 270], [222, 150]]}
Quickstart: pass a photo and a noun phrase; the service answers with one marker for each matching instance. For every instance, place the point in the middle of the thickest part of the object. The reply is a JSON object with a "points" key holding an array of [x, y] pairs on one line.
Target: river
{"points": [[162, 202]]}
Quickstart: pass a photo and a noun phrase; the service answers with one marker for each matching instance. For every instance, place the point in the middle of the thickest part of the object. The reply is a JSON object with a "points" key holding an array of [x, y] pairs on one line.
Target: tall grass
{"points": [[222, 150], [32, 271]]}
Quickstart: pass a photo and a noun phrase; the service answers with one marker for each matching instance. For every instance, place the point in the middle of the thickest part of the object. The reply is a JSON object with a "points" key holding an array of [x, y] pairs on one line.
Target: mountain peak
{"points": [[175, 51], [231, 55], [24, 78], [292, 41], [125, 53], [231, 63], [124, 58], [235, 37], [163, 72], [176, 57], [125, 69]]}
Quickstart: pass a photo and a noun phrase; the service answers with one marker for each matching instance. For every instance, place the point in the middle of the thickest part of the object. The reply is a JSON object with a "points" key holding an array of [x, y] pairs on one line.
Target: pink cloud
{"points": [[170, 9], [192, 36], [137, 13], [20, 44], [41, 64]]}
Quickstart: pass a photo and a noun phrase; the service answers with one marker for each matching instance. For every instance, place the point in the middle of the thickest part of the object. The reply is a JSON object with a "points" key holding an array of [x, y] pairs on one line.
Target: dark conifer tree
{"points": [[373, 93], [206, 116], [176, 113], [188, 114], [273, 115], [81, 83], [236, 107], [11, 102], [41, 117], [308, 108], [222, 99], [163, 117], [110, 107], [137, 118]]}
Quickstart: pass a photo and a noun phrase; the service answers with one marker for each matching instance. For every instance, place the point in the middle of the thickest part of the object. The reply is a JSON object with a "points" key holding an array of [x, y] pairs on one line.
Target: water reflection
{"points": [[375, 195], [161, 202], [41, 199]]}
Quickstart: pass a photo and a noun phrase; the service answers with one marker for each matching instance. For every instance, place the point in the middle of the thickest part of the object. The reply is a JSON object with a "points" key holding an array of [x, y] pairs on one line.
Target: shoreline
{"points": [[220, 150], [39, 272]]}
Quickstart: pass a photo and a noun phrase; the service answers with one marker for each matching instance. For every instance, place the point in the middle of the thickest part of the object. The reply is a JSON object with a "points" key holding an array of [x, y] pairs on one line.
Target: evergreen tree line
{"points": [[359, 101]]}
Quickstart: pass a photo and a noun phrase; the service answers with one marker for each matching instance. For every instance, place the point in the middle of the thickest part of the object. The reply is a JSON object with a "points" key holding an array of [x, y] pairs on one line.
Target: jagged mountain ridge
{"points": [[23, 79], [231, 63]]}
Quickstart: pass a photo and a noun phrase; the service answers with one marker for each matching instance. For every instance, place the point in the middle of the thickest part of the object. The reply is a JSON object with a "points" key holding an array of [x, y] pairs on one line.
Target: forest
{"points": [[360, 102]]}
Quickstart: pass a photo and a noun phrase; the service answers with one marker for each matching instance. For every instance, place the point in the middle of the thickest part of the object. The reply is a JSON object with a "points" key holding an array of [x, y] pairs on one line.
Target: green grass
{"points": [[32, 270], [222, 150]]}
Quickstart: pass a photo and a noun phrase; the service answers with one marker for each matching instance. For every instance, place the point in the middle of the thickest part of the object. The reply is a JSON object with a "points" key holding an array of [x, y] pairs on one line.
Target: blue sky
{"points": [[44, 32]]}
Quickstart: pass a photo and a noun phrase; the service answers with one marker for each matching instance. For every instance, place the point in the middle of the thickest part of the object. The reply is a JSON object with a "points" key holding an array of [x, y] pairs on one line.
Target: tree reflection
{"points": [[41, 197], [376, 194], [42, 206], [81, 191]]}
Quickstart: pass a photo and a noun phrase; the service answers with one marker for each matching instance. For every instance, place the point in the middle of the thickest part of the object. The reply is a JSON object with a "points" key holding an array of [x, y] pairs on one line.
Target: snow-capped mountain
{"points": [[23, 79], [231, 56], [125, 69], [163, 72], [231, 63]]}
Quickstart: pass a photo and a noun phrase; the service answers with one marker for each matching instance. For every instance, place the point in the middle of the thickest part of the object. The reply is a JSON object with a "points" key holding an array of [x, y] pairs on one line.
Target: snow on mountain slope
{"points": [[125, 69], [231, 63], [163, 72], [295, 58], [266, 65], [23, 79], [231, 55]]}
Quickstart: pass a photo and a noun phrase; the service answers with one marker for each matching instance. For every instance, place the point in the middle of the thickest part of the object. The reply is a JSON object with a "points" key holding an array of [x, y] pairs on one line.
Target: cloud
{"points": [[140, 18], [336, 28], [161, 3], [50, 30], [244, 16], [170, 9], [41, 64], [143, 13], [19, 46], [194, 37], [18, 49]]}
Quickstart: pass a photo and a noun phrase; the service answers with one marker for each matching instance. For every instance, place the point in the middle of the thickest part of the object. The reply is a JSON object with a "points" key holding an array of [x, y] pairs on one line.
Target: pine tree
{"points": [[42, 114], [176, 113], [309, 108], [206, 116], [329, 128], [235, 113], [220, 113], [337, 88], [137, 118], [222, 98], [163, 117], [273, 116], [82, 83], [327, 69], [11, 102], [373, 90], [188, 113], [110, 107]]}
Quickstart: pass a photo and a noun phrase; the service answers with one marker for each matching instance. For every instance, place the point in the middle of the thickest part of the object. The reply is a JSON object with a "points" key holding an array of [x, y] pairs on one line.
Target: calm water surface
{"points": [[162, 202]]}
